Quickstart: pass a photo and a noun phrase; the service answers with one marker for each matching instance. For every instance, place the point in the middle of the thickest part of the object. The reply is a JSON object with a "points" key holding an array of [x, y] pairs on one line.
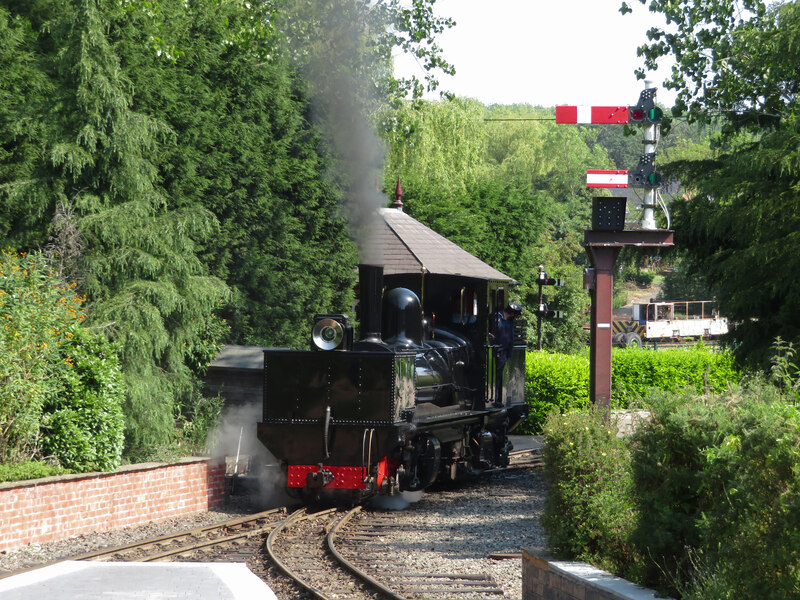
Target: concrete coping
{"points": [[593, 578], [605, 581], [131, 468]]}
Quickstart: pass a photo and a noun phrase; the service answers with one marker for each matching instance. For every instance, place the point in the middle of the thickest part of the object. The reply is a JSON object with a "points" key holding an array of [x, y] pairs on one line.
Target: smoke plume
{"points": [[341, 74], [235, 440]]}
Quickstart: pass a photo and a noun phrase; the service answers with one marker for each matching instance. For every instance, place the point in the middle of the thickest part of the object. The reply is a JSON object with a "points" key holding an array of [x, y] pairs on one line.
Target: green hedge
{"points": [[553, 381], [561, 381], [702, 502], [635, 372], [60, 384]]}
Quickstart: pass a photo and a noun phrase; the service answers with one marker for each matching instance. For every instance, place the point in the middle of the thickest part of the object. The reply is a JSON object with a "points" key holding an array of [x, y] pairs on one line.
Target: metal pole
{"points": [[649, 205], [539, 312], [603, 259], [603, 248]]}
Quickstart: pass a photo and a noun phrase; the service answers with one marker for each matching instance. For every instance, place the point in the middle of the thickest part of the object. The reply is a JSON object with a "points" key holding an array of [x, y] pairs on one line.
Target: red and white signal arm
{"points": [[597, 115], [617, 178]]}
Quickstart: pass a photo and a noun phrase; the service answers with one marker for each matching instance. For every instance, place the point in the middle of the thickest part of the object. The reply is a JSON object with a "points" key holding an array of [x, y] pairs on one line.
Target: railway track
{"points": [[230, 541], [525, 459], [299, 548], [330, 554], [362, 541], [334, 555]]}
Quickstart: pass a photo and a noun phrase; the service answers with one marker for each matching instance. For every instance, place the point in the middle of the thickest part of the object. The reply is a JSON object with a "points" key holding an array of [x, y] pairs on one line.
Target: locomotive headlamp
{"points": [[327, 334]]}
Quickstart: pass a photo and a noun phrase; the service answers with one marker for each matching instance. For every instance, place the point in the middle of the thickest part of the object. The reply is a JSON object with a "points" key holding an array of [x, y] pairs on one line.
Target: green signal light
{"points": [[654, 179], [654, 115]]}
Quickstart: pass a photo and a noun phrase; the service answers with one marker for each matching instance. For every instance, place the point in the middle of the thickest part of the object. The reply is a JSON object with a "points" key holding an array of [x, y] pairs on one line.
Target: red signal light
{"points": [[637, 115]]}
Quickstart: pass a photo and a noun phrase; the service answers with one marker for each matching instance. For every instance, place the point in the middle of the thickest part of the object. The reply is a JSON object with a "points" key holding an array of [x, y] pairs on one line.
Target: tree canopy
{"points": [[736, 68], [171, 158], [510, 192]]}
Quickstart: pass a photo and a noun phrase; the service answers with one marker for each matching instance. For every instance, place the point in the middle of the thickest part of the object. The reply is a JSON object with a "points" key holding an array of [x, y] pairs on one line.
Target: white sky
{"points": [[545, 52]]}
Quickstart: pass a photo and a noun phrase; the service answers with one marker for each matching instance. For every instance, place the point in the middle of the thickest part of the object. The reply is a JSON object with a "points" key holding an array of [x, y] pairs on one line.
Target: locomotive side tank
{"points": [[415, 398]]}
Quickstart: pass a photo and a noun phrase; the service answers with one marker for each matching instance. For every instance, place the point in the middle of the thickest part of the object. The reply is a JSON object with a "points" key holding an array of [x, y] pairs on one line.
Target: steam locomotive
{"points": [[417, 397]]}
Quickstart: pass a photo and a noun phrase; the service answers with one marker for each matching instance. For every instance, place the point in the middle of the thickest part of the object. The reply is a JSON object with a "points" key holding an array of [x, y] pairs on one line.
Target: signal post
{"points": [[608, 234], [542, 310], [603, 248]]}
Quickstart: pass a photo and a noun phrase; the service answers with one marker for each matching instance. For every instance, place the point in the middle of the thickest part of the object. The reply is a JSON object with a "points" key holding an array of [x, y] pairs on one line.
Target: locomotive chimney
{"points": [[398, 197], [370, 281]]}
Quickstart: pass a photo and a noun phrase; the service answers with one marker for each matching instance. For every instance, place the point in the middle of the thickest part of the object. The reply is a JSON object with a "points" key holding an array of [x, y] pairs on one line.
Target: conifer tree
{"points": [[147, 288], [25, 198], [243, 148]]}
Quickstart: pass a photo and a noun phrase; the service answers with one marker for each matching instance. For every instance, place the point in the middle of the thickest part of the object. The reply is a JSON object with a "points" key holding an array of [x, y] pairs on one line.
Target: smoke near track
{"points": [[235, 440]]}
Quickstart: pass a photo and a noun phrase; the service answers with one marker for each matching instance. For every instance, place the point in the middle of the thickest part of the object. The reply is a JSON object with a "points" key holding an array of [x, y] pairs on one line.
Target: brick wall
{"points": [[53, 508], [545, 579]]}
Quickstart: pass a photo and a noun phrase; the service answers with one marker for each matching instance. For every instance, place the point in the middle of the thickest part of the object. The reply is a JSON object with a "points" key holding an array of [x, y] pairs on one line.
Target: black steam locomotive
{"points": [[418, 397]]}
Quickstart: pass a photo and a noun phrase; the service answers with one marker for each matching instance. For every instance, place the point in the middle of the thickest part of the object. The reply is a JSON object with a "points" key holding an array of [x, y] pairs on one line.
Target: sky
{"points": [[544, 52]]}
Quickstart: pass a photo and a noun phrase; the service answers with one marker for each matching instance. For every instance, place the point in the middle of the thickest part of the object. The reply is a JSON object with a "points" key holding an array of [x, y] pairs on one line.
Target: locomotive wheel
{"points": [[423, 464]]}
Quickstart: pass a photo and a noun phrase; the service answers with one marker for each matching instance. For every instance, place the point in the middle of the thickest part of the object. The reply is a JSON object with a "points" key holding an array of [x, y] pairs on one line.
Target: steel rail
{"points": [[366, 578], [297, 516], [99, 554], [107, 552]]}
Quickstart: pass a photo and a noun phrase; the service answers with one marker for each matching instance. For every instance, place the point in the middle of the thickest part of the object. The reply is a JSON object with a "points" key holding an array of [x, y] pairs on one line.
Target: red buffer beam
{"points": [[598, 115]]}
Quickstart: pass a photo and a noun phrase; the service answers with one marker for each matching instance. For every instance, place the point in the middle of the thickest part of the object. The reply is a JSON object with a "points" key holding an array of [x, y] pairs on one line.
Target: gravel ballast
{"points": [[457, 531]]}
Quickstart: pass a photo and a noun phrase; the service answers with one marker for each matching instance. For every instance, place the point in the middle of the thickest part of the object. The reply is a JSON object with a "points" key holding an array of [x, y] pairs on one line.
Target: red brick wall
{"points": [[54, 508]]}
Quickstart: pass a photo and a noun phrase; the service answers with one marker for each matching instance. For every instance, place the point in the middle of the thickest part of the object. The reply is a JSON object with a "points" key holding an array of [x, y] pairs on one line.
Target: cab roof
{"points": [[407, 246]]}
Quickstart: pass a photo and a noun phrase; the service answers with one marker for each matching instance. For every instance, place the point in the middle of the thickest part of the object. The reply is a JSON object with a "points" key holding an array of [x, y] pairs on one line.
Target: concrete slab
{"points": [[74, 580], [526, 442]]}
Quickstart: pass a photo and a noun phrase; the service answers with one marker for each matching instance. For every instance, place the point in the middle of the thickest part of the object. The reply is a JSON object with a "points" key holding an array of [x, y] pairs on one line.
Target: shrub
{"points": [[60, 383], [702, 502], [83, 426], [716, 480], [635, 372], [672, 489], [22, 471], [553, 381], [756, 470], [637, 276], [589, 512]]}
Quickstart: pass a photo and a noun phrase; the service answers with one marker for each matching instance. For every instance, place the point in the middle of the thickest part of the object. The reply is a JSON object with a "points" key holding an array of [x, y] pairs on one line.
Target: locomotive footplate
{"points": [[460, 418]]}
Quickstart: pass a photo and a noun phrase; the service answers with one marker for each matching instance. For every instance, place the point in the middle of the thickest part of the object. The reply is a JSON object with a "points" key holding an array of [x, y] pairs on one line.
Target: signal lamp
{"points": [[645, 112], [645, 116], [549, 313], [636, 116], [654, 115]]}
